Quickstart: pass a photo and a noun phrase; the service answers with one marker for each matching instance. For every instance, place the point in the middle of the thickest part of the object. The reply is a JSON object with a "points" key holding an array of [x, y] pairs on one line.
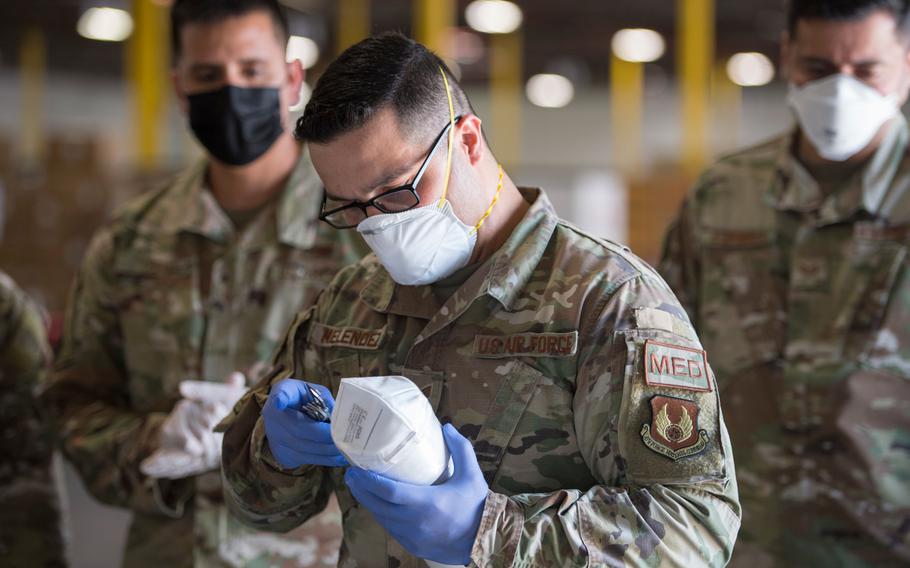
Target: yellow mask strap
{"points": [[492, 204], [445, 188]]}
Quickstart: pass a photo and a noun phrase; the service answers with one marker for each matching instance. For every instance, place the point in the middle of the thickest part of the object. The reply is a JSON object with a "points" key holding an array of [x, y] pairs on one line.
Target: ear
{"points": [[179, 92], [471, 135], [296, 75]]}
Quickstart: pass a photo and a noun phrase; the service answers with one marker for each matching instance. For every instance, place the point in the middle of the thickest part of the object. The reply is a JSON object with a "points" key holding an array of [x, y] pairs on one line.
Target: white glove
{"points": [[188, 446]]}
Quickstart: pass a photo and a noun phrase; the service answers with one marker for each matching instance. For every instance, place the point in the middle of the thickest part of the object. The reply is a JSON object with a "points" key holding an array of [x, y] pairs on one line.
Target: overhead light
{"points": [[750, 69], [105, 24], [305, 93], [549, 90], [304, 49], [493, 16], [638, 45]]}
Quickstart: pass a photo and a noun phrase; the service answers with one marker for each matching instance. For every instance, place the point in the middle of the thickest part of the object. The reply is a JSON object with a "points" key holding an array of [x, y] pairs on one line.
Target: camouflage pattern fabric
{"points": [[543, 359], [30, 530], [802, 298], [170, 291]]}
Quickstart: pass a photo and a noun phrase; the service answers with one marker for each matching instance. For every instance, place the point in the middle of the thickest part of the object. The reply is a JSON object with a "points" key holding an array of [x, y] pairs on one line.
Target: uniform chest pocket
{"points": [[504, 414], [161, 323], [877, 268], [743, 285], [430, 383]]}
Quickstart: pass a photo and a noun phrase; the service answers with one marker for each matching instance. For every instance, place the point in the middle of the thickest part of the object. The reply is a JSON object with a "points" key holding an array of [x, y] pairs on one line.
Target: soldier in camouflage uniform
{"points": [[198, 281], [30, 531], [794, 270], [584, 399]]}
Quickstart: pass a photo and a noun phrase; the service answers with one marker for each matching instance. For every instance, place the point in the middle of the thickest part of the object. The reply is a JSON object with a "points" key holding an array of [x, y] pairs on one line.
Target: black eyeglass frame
{"points": [[411, 187]]}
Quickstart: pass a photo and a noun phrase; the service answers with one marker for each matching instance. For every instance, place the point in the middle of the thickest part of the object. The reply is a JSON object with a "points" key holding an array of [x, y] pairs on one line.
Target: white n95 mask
{"points": [[387, 426], [420, 246], [840, 114]]}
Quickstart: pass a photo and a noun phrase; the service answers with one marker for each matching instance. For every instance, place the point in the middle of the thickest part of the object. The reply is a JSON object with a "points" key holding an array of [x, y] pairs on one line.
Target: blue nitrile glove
{"points": [[294, 438], [435, 522]]}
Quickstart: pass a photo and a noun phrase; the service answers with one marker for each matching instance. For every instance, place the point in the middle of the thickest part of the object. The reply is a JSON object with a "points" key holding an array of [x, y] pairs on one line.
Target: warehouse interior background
{"points": [[612, 107]]}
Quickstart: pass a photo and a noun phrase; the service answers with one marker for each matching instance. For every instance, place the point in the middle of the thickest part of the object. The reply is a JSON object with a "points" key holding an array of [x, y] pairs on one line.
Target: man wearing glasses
{"points": [[588, 425]]}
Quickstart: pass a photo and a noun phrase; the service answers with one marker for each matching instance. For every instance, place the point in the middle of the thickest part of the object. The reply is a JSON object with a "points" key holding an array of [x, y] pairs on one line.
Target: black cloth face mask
{"points": [[236, 125]]}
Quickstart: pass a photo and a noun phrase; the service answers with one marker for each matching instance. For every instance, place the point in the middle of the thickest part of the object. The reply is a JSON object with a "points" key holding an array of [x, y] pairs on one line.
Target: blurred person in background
{"points": [[30, 530], [183, 296], [792, 260]]}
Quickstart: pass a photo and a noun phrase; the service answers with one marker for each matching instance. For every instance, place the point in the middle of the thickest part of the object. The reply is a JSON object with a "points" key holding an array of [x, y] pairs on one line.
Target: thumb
{"points": [[462, 451], [289, 393]]}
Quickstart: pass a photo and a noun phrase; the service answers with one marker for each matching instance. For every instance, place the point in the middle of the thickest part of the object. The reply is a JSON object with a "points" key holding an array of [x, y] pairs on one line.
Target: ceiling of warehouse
{"points": [[570, 36]]}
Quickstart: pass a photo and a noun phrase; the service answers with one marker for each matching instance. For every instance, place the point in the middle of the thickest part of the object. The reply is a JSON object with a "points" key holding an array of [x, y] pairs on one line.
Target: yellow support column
{"points": [[695, 33], [353, 22], [626, 98], [433, 22], [33, 70], [148, 57], [505, 96]]}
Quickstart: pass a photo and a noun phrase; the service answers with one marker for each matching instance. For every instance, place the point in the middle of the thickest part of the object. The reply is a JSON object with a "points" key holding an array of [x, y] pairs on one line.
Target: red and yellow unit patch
{"points": [[673, 431], [676, 367]]}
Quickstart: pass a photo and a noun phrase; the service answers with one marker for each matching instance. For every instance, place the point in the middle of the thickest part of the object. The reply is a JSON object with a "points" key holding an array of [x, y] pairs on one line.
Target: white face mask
{"points": [[840, 114], [420, 246]]}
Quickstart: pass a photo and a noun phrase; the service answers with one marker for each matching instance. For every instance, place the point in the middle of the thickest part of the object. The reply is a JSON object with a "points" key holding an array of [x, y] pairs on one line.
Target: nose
{"points": [[371, 210]]}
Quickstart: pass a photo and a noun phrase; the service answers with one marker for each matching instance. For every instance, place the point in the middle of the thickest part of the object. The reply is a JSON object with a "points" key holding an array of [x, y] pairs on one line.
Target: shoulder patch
{"points": [[350, 337], [673, 366], [652, 318], [526, 345], [673, 431]]}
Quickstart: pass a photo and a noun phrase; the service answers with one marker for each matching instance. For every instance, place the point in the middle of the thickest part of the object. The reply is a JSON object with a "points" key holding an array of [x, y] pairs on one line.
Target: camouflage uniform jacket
{"points": [[539, 358], [30, 531], [170, 291], [803, 300]]}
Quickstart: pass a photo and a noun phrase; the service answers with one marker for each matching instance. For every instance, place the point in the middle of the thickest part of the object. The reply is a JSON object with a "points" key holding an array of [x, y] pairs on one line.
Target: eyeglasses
{"points": [[395, 200]]}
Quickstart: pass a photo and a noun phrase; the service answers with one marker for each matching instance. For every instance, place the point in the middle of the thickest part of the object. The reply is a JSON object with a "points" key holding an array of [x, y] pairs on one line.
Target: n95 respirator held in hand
{"points": [[387, 426]]}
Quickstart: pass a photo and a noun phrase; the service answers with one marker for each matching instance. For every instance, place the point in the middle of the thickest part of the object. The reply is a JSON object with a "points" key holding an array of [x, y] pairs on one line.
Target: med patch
{"points": [[673, 431], [676, 367]]}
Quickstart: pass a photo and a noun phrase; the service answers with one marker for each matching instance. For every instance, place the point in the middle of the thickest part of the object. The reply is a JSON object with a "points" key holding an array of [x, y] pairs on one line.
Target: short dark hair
{"points": [[846, 10], [185, 12], [387, 70]]}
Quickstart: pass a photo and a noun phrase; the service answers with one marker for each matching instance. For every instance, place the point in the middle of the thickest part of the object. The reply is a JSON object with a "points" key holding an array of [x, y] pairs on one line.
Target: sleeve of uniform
{"points": [[101, 434], [679, 264], [29, 509], [258, 490], [656, 444]]}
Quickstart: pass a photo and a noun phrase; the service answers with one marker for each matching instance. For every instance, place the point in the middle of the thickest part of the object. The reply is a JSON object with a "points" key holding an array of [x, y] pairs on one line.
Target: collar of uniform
{"points": [[297, 211], [796, 190], [513, 264], [502, 276], [195, 208]]}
